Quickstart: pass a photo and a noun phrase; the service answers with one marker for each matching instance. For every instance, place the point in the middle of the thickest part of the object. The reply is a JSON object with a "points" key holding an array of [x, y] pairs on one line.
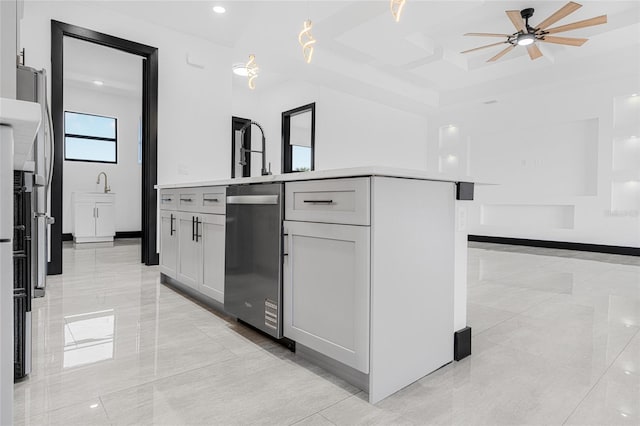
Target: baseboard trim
{"points": [[462, 343], [120, 234], [128, 234], [564, 245]]}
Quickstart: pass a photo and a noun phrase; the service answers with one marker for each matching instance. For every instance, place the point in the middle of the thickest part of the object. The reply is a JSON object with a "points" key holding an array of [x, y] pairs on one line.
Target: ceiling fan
{"points": [[526, 35]]}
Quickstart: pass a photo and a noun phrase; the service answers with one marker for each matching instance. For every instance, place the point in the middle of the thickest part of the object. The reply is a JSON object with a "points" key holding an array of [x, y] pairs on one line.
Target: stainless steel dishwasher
{"points": [[253, 257]]}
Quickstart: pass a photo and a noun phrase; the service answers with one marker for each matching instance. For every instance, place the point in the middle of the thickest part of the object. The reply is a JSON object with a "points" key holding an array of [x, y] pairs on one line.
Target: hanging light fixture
{"points": [[306, 40], [252, 71], [396, 8]]}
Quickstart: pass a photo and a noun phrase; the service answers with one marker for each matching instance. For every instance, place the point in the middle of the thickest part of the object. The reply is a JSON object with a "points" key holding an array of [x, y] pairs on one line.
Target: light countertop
{"points": [[328, 174]]}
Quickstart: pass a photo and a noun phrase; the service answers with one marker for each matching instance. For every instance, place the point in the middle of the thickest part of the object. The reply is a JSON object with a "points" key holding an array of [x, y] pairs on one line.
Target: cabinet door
{"points": [[212, 231], [326, 290], [105, 220], [84, 220], [168, 243], [189, 253]]}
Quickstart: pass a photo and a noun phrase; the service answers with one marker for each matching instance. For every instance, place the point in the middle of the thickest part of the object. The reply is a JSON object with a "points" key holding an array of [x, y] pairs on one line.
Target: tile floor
{"points": [[556, 341]]}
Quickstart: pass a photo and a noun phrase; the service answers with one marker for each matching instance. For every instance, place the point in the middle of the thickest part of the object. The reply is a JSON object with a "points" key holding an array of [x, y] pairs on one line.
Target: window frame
{"points": [[287, 148], [95, 138]]}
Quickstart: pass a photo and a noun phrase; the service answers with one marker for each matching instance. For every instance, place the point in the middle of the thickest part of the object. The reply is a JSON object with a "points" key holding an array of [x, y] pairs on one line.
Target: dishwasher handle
{"points": [[252, 199]]}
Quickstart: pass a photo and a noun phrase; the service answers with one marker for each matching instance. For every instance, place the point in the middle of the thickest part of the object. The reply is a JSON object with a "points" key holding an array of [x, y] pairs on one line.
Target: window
{"points": [[90, 137], [298, 138]]}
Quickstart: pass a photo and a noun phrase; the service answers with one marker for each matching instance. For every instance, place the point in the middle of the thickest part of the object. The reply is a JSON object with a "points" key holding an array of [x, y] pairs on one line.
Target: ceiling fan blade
{"points": [[534, 51], [580, 24], [488, 35], [559, 14], [501, 54], [570, 41], [484, 47], [516, 19]]}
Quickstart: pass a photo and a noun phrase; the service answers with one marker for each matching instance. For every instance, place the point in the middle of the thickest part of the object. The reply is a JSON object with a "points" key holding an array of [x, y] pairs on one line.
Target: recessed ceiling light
{"points": [[219, 9], [634, 94], [98, 82], [240, 69]]}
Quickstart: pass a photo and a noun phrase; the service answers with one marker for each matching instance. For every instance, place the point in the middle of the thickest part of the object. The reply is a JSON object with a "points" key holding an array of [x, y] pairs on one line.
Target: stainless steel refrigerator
{"points": [[32, 86]]}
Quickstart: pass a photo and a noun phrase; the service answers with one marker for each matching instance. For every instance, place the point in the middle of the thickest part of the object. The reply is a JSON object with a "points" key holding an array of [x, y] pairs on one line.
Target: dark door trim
{"points": [[149, 139], [287, 149], [238, 123]]}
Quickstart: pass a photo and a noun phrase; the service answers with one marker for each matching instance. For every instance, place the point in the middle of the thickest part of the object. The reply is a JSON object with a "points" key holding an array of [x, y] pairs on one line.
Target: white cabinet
{"points": [[189, 252], [326, 290], [192, 243], [169, 243], [93, 217], [212, 230], [368, 277]]}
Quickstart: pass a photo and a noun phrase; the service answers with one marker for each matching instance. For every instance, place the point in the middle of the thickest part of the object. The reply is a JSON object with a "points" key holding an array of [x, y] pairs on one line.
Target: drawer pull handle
{"points": [[167, 200], [188, 200], [318, 201], [211, 200]]}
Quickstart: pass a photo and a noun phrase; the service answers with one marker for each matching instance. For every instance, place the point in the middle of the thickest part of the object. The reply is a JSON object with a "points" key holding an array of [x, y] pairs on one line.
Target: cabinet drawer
{"points": [[343, 201], [168, 199], [213, 200], [188, 199]]}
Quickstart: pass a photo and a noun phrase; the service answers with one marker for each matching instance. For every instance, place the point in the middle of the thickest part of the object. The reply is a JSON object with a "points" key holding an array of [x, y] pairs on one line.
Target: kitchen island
{"points": [[372, 261]]}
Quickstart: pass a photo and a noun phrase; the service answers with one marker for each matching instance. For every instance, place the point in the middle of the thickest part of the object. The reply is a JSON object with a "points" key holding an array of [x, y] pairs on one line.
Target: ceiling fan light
{"points": [[525, 39]]}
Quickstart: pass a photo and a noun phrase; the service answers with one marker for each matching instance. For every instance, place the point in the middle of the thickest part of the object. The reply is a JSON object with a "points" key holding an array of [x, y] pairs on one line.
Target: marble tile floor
{"points": [[555, 341]]}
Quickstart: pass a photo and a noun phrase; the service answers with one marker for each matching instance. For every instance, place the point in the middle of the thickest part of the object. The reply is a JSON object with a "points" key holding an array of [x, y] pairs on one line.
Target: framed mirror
{"points": [[298, 139]]}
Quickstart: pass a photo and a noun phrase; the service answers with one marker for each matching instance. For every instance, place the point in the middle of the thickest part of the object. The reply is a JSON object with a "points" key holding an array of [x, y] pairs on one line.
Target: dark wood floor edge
{"points": [[120, 234], [565, 245]]}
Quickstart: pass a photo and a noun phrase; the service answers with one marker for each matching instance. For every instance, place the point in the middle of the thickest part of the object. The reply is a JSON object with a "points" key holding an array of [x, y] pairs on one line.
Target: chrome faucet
{"points": [[106, 187], [243, 150]]}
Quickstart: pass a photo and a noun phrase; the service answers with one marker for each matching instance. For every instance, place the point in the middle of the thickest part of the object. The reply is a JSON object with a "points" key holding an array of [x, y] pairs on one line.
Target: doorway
{"points": [[148, 126]]}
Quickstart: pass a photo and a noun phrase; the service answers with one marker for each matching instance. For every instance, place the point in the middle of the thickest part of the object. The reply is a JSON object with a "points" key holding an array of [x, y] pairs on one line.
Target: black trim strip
{"points": [[128, 234], [564, 245], [149, 125]]}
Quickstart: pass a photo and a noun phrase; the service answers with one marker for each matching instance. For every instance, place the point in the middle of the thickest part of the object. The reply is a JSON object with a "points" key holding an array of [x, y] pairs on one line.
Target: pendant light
{"points": [[306, 40], [252, 71], [396, 8]]}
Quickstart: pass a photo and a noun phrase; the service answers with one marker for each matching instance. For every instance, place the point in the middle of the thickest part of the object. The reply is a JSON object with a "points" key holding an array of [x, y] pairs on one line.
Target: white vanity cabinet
{"points": [[192, 242], [94, 217]]}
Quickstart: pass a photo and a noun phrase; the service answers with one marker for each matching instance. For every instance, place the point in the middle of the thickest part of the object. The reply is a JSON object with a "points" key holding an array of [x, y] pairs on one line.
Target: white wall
{"points": [[194, 104], [551, 150], [125, 177], [350, 131]]}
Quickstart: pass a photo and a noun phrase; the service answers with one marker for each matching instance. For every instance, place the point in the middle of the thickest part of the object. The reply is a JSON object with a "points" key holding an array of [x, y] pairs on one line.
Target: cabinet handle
{"points": [[94, 212], [97, 212], [211, 200], [198, 236], [318, 201], [171, 229], [193, 228], [188, 200], [167, 200]]}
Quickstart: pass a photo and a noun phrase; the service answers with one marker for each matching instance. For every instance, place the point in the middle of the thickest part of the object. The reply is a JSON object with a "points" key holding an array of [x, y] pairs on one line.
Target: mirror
{"points": [[298, 139]]}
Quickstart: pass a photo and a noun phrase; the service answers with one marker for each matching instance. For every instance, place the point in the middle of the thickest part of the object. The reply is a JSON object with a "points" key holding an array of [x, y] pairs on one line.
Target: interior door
{"points": [[213, 241]]}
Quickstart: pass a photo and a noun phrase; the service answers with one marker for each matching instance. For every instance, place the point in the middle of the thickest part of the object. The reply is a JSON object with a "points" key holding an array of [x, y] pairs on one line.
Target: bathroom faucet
{"points": [[243, 150], [106, 187]]}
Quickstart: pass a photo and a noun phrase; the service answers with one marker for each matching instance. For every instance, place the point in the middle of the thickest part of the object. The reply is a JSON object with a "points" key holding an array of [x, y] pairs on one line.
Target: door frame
{"points": [[59, 30]]}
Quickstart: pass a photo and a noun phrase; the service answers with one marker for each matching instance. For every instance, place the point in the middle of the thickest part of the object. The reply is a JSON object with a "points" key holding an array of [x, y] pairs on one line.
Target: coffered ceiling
{"points": [[414, 64]]}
